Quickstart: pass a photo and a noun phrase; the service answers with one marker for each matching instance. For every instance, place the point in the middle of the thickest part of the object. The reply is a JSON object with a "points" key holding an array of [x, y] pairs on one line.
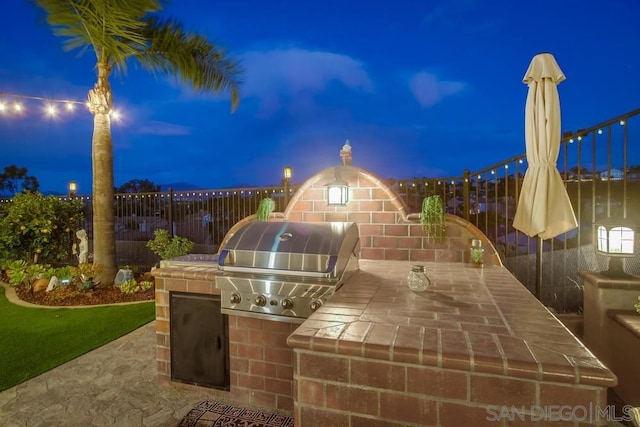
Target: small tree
{"points": [[169, 247], [138, 186], [15, 180], [39, 229]]}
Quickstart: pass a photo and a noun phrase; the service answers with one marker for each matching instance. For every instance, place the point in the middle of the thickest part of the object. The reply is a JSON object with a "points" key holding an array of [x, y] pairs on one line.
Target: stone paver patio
{"points": [[113, 385]]}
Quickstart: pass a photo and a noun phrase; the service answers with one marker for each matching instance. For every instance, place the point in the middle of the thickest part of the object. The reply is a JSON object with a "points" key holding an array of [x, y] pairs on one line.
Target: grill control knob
{"points": [[287, 303], [315, 304], [235, 298], [261, 301]]}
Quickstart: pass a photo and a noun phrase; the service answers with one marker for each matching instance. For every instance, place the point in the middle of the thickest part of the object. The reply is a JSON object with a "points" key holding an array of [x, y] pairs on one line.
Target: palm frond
{"points": [[190, 58], [113, 28], [117, 30]]}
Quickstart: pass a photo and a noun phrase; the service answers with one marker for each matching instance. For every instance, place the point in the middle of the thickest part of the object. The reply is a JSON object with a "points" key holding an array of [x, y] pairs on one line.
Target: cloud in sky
{"points": [[294, 72], [428, 89], [158, 128]]}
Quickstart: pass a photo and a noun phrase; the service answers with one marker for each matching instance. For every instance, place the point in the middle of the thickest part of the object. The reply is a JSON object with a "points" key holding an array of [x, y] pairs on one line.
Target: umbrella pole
{"points": [[539, 268]]}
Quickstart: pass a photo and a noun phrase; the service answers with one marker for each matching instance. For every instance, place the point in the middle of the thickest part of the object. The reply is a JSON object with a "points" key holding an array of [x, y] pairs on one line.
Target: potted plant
{"points": [[476, 253], [266, 206], [432, 218]]}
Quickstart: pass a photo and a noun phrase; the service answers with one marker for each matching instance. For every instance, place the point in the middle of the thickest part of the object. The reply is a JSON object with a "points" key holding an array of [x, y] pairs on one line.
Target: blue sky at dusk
{"points": [[420, 88]]}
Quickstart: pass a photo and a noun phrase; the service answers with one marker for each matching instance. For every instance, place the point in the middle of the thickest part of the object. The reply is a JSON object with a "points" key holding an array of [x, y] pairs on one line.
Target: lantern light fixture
{"points": [[337, 190], [615, 238], [72, 189], [287, 171]]}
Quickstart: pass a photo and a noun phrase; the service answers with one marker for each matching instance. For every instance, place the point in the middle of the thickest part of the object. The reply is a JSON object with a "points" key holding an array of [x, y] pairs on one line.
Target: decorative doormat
{"points": [[216, 414]]}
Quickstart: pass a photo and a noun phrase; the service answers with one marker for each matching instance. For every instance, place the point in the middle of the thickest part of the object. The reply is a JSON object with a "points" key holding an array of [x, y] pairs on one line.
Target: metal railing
{"points": [[599, 166], [601, 171]]}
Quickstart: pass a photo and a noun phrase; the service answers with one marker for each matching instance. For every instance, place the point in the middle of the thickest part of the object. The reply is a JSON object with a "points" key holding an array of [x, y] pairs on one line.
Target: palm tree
{"points": [[119, 31]]}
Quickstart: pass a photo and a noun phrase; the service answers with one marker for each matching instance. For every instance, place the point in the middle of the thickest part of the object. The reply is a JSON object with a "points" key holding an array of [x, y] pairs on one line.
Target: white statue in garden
{"points": [[82, 249]]}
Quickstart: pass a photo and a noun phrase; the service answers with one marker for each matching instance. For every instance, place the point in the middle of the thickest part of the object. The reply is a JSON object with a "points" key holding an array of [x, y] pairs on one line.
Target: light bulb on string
{"points": [[51, 108]]}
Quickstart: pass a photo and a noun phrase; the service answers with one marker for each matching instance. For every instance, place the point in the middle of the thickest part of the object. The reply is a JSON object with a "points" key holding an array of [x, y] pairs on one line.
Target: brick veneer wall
{"points": [[261, 363], [387, 230], [338, 390]]}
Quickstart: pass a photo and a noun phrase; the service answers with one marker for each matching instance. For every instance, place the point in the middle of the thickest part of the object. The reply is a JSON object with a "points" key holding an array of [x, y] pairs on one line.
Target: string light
{"points": [[51, 109]]}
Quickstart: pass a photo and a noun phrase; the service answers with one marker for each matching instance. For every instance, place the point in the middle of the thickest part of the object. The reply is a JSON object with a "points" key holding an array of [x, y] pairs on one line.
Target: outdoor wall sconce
{"points": [[615, 238], [73, 189], [337, 190]]}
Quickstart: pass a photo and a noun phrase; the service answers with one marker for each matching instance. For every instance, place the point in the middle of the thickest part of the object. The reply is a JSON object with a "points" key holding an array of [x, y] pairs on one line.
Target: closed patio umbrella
{"points": [[544, 208]]}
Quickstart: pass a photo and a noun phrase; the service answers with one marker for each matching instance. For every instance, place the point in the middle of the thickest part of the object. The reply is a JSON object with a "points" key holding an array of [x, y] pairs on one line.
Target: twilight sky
{"points": [[420, 88]]}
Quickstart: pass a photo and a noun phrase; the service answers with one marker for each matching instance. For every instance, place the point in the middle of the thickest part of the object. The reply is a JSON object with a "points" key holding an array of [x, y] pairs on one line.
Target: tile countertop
{"points": [[479, 320]]}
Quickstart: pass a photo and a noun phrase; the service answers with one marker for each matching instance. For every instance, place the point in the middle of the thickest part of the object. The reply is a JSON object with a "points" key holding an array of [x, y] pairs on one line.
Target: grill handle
{"points": [[223, 257], [285, 237], [331, 263]]}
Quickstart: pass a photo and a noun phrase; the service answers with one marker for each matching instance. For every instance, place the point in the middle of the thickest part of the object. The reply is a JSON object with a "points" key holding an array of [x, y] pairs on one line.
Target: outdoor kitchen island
{"points": [[475, 344], [476, 348]]}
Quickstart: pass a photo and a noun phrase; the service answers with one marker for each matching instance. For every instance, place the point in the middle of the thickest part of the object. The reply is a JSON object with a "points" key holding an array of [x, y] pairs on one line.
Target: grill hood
{"points": [[286, 268]]}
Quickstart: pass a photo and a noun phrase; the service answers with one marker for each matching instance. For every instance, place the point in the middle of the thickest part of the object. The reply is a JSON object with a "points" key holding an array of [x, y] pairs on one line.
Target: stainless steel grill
{"points": [[286, 270]]}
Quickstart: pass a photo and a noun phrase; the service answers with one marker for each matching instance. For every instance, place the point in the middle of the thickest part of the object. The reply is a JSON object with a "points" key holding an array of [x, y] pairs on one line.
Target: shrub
{"points": [[87, 271], [20, 272], [167, 247], [38, 229], [131, 286], [16, 272], [66, 272]]}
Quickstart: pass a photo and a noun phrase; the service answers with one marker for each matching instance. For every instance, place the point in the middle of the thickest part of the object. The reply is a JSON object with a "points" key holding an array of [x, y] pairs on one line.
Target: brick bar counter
{"points": [[476, 347], [378, 354]]}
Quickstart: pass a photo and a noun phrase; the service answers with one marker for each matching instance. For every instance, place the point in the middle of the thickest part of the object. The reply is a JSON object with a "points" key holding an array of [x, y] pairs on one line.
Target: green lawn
{"points": [[35, 340]]}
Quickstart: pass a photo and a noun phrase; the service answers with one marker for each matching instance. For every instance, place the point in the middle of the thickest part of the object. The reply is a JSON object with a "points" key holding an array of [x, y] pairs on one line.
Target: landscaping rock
{"points": [[40, 285], [53, 283]]}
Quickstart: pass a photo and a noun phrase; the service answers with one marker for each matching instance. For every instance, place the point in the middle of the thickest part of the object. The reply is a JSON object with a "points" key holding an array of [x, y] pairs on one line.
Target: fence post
{"points": [[466, 194], [170, 212]]}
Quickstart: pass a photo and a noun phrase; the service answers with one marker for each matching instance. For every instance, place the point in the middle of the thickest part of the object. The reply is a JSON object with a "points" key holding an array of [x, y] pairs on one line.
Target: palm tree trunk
{"points": [[104, 244]]}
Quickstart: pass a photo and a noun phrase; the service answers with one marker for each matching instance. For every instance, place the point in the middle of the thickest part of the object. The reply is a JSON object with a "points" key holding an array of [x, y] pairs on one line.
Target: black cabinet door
{"points": [[199, 340]]}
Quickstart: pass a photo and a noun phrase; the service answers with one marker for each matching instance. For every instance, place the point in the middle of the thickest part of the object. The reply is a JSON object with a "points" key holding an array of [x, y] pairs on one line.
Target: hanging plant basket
{"points": [[432, 218]]}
